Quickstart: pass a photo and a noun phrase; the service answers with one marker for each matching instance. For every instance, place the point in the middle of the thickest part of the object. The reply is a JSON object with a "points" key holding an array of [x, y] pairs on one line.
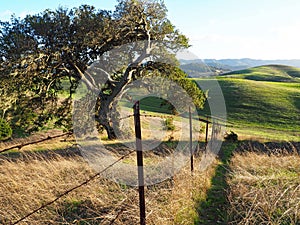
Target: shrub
{"points": [[231, 136], [169, 124], [5, 130]]}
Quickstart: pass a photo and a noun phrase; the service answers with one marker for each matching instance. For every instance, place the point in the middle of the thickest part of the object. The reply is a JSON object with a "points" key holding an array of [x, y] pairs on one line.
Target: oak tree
{"points": [[41, 53]]}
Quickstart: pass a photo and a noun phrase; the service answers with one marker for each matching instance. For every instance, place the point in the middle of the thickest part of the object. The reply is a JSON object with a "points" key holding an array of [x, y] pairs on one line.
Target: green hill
{"points": [[262, 101], [268, 73]]}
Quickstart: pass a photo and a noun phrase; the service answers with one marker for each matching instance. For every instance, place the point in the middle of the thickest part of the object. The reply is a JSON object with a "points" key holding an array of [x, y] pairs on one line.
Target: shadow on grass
{"points": [[213, 209], [164, 149]]}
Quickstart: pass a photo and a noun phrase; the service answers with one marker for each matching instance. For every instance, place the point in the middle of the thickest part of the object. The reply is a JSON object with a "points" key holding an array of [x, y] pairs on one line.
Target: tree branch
{"points": [[84, 79]]}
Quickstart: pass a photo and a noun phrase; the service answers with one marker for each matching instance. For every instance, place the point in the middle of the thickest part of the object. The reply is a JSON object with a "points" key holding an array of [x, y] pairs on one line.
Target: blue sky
{"points": [[260, 29]]}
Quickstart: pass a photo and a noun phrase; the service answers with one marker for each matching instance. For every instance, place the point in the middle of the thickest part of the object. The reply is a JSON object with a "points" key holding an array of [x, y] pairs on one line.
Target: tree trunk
{"points": [[107, 119], [111, 134]]}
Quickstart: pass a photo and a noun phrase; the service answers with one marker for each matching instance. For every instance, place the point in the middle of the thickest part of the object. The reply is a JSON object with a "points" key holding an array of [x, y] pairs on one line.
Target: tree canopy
{"points": [[41, 53]]}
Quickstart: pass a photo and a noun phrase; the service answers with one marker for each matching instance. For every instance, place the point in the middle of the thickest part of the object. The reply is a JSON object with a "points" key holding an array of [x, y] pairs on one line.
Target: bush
{"points": [[169, 124], [5, 130], [231, 136]]}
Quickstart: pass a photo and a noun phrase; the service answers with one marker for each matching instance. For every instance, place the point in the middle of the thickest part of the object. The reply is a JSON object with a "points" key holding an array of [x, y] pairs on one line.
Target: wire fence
{"points": [[215, 134]]}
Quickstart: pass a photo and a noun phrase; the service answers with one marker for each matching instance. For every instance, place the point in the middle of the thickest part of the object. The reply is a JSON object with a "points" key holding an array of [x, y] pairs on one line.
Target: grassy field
{"points": [[275, 73], [262, 102], [247, 183], [30, 179]]}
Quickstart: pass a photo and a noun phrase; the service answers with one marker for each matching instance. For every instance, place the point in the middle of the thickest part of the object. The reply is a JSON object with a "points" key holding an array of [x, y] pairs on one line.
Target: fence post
{"points": [[139, 151], [206, 132], [191, 140]]}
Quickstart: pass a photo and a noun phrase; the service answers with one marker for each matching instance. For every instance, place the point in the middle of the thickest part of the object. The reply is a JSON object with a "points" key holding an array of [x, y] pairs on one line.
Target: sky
{"points": [[217, 29]]}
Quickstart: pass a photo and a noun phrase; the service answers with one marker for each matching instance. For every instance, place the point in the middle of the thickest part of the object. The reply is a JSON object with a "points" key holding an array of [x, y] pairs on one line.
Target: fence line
{"points": [[191, 141], [146, 115], [71, 189], [105, 169]]}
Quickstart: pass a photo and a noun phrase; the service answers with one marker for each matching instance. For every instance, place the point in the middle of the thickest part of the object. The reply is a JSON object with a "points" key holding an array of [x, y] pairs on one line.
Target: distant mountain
{"points": [[208, 67], [246, 63], [201, 69], [198, 69]]}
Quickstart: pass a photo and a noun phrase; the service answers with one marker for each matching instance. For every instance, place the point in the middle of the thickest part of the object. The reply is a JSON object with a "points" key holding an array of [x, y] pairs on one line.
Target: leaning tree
{"points": [[43, 52]]}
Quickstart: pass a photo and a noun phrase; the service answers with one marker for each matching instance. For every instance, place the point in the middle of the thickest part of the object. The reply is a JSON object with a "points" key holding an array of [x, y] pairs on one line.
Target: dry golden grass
{"points": [[32, 179], [264, 189], [29, 182], [182, 201]]}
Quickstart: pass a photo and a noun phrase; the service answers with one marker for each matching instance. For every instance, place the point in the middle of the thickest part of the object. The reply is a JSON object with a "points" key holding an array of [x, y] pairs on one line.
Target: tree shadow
{"points": [[116, 149]]}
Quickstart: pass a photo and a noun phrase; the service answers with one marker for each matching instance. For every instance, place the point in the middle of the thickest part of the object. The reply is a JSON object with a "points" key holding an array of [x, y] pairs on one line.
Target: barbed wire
{"points": [[204, 120], [146, 115], [163, 117], [91, 178], [72, 189], [19, 146], [125, 117]]}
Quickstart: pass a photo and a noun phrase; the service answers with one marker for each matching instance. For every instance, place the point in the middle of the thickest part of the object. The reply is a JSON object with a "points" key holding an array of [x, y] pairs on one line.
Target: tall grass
{"points": [[33, 179], [264, 189]]}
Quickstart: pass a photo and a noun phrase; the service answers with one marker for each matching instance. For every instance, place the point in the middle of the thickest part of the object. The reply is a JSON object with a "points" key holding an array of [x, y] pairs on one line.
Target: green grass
{"points": [[212, 209], [155, 104], [265, 109], [275, 73]]}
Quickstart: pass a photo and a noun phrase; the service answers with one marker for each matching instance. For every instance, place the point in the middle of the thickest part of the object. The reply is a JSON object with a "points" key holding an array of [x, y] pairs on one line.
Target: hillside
{"points": [[262, 101], [268, 73], [198, 69], [201, 69]]}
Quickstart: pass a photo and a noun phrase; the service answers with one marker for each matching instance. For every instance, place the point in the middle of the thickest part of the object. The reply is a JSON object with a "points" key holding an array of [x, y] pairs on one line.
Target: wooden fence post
{"points": [[139, 151], [191, 140], [206, 132]]}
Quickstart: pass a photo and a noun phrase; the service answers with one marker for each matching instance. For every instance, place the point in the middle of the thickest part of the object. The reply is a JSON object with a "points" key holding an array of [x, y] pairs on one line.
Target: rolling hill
{"points": [[262, 101], [200, 69], [275, 73]]}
